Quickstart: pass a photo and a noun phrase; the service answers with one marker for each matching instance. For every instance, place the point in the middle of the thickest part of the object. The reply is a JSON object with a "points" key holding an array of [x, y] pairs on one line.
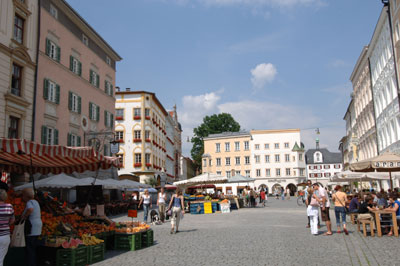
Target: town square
{"points": [[210, 132]]}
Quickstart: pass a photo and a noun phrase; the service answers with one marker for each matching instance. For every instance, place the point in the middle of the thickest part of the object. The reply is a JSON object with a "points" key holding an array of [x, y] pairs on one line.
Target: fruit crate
{"points": [[128, 241], [72, 257], [96, 253], [147, 238]]}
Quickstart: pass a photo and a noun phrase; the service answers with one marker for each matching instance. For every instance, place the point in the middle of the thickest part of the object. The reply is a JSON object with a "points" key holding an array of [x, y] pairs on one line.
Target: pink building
{"points": [[75, 79]]}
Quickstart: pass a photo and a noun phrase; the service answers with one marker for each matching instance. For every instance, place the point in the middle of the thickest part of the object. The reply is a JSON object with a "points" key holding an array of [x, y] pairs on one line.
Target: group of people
{"points": [[281, 191], [33, 225], [250, 196]]}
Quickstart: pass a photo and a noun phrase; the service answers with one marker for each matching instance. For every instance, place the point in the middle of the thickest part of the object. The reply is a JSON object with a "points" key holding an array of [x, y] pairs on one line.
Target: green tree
{"points": [[151, 182], [213, 124]]}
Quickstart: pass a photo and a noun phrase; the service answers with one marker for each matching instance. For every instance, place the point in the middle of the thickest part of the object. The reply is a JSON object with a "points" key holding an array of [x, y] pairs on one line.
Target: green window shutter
{"points": [[105, 87], [105, 118], [55, 137], [97, 81], [46, 89], [111, 90], [90, 111], [97, 113], [71, 63], [69, 140], [91, 77], [57, 94], [112, 121], [78, 141], [47, 47], [79, 104], [70, 100], [58, 49], [44, 135], [79, 68]]}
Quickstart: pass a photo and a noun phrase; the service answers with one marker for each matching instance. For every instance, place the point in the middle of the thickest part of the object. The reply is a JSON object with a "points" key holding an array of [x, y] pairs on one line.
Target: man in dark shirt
{"points": [[354, 204], [365, 208]]}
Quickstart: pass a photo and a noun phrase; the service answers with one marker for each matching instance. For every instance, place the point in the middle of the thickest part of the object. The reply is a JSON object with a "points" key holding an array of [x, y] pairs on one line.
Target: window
{"points": [[13, 128], [227, 146], [108, 61], [267, 172], [52, 50], [327, 166], [228, 174], [397, 30], [327, 174], [276, 145], [278, 172], [228, 161], [210, 162], [204, 162], [247, 172], [237, 146], [267, 158], [147, 112], [287, 171], [266, 146], [51, 91], [121, 159], [257, 146], [49, 136], [237, 172], [73, 140], [119, 135], [237, 160], [16, 80], [147, 158], [301, 172], [94, 112], [300, 157], [138, 158], [286, 145], [258, 172], [75, 66], [219, 173], [94, 78], [119, 114], [53, 11], [310, 167], [137, 134], [19, 29], [287, 157], [277, 158], [74, 102], [108, 88], [247, 160], [85, 39], [217, 147], [257, 158], [337, 166], [147, 134], [108, 119], [136, 113], [246, 146], [218, 161]]}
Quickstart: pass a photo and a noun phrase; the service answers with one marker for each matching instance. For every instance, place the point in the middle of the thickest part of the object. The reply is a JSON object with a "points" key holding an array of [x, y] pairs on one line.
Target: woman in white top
{"points": [[161, 199], [146, 200]]}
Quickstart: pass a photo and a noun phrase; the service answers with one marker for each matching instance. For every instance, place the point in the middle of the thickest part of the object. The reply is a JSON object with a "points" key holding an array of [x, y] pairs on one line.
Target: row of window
{"points": [[246, 146], [319, 175], [227, 161], [326, 166], [257, 158], [137, 134], [139, 160], [288, 172], [276, 146], [137, 115]]}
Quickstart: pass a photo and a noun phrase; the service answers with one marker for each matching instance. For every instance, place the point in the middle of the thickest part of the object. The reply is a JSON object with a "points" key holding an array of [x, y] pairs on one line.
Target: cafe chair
{"points": [[364, 226]]}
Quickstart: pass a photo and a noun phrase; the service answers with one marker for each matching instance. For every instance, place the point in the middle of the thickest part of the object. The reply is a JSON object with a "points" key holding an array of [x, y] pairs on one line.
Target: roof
{"points": [[158, 103], [327, 156], [296, 147], [274, 131], [228, 135]]}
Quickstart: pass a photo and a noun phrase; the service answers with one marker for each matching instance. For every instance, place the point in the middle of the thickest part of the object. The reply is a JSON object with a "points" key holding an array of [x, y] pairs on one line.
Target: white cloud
{"points": [[262, 74]]}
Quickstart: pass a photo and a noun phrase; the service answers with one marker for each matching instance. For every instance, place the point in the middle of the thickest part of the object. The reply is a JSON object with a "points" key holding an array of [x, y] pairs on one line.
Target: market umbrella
{"points": [[386, 162], [130, 184], [206, 178], [240, 179], [55, 181]]}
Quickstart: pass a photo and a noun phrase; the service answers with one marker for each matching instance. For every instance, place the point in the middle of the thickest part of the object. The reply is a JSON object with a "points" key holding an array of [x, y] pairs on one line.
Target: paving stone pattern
{"points": [[274, 235]]}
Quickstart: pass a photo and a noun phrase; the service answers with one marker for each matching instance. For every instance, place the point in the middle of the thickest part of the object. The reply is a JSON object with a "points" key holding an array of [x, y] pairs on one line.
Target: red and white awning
{"points": [[16, 156]]}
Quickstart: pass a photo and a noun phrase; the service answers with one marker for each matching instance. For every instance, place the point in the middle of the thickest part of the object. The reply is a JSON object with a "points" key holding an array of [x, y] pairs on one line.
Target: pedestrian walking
{"points": [[145, 199], [325, 204], [288, 193], [161, 199], [177, 208], [340, 198], [6, 219], [283, 193], [276, 191], [262, 197], [306, 195], [312, 210]]}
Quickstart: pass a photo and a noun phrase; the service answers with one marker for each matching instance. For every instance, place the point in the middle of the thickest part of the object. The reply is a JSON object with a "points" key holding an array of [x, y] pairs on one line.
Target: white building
{"points": [[384, 86], [277, 158]]}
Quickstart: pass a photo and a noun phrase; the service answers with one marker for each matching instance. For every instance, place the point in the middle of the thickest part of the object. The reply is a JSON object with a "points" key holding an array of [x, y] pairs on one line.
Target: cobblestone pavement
{"points": [[274, 235]]}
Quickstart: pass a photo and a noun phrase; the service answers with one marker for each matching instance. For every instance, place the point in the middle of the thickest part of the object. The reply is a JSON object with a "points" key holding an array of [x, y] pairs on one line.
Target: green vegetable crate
{"points": [[96, 253], [128, 241], [147, 238], [72, 257]]}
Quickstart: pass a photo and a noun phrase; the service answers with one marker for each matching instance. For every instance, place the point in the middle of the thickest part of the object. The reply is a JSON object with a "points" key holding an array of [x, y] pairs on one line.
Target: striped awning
{"points": [[16, 156]]}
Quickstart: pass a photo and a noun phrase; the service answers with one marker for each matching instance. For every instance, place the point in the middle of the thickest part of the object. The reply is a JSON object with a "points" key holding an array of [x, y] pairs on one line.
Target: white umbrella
{"points": [[55, 181], [206, 178]]}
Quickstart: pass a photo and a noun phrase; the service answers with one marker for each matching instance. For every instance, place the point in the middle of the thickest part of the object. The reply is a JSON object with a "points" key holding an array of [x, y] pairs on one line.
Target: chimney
{"points": [[128, 89]]}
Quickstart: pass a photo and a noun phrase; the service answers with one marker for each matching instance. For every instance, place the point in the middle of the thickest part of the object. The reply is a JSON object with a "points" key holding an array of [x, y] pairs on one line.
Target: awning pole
{"points": [[391, 181]]}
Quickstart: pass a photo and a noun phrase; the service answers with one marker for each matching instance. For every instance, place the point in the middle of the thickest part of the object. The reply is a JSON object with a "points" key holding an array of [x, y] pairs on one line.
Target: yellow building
{"points": [[227, 154]]}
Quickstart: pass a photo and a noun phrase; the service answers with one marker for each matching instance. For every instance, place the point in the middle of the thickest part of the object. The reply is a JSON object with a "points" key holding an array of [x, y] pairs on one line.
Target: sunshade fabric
{"points": [[240, 179], [16, 156], [206, 178], [382, 163]]}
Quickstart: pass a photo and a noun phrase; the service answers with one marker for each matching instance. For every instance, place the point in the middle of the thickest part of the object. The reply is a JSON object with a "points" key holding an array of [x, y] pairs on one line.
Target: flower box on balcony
{"points": [[121, 141], [119, 118], [137, 164], [148, 164], [147, 117], [137, 117], [137, 140], [148, 140]]}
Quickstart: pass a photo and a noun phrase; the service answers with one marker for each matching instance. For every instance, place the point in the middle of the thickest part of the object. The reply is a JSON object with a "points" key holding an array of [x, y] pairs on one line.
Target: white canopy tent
{"points": [[206, 178], [55, 181]]}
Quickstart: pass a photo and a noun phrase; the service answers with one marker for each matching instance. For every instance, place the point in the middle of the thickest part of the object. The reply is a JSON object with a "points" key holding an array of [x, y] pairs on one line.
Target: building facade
{"points": [[75, 101], [18, 57], [277, 159], [322, 164], [145, 131], [186, 168], [365, 132], [348, 144]]}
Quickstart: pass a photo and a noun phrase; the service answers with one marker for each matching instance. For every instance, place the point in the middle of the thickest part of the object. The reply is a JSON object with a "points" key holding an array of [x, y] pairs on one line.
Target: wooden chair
{"points": [[364, 225], [353, 217]]}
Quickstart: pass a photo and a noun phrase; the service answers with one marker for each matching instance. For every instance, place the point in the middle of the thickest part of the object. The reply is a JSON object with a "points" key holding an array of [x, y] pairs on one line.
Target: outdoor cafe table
{"points": [[378, 221]]}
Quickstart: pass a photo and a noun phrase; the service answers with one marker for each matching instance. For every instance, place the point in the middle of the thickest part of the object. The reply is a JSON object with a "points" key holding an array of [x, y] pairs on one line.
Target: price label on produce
{"points": [[132, 213]]}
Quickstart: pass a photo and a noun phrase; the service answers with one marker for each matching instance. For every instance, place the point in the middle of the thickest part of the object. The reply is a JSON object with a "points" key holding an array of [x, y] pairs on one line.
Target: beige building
{"points": [[227, 153], [18, 47]]}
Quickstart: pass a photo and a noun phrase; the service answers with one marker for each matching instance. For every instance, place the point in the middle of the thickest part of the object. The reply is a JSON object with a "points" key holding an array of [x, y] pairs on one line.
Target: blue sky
{"points": [[270, 63]]}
